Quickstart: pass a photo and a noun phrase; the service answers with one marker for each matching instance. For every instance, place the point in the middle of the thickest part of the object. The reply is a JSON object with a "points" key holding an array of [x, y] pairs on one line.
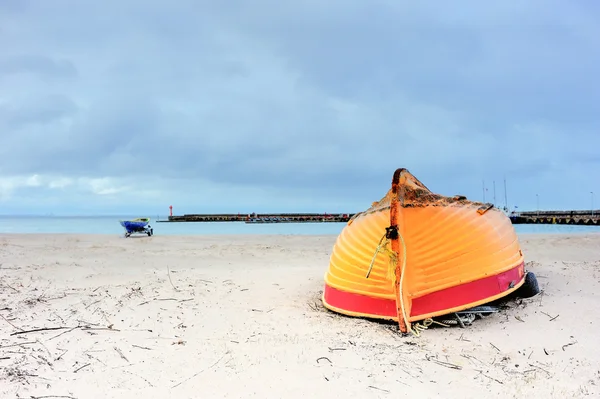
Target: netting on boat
{"points": [[414, 194]]}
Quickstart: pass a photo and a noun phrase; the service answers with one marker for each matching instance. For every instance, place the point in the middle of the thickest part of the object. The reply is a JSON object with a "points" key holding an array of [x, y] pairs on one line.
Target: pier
{"points": [[263, 217], [581, 217], [585, 218]]}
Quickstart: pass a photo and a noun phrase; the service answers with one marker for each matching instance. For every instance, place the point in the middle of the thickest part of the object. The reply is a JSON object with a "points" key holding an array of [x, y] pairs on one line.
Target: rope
{"points": [[418, 327], [381, 244]]}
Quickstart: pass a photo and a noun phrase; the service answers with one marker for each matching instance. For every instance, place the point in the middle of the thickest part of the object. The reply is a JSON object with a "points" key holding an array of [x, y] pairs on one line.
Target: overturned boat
{"points": [[416, 255]]}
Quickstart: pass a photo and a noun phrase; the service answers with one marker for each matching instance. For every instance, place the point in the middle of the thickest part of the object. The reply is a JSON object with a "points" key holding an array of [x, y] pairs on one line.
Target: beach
{"points": [[240, 317]]}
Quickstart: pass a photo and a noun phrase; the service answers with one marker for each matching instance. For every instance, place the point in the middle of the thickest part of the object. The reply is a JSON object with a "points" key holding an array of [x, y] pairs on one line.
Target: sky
{"points": [[113, 107]]}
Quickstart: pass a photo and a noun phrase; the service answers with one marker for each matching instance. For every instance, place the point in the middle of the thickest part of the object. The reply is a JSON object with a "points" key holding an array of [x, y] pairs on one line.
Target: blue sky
{"points": [[118, 107]]}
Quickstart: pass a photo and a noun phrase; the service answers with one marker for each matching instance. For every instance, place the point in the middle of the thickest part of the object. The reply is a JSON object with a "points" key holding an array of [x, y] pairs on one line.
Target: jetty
{"points": [[579, 217], [582, 217], [263, 217]]}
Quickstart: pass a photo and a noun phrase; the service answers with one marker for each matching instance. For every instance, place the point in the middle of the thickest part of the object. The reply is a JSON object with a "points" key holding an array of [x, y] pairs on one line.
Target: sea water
{"points": [[110, 225]]}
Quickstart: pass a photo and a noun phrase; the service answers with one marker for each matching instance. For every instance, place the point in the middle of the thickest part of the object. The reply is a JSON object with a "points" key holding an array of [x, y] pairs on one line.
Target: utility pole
{"points": [[505, 195], [483, 185], [591, 192], [537, 199], [494, 183]]}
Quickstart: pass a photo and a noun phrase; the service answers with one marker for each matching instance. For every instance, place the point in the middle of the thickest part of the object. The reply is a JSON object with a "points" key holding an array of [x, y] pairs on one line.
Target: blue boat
{"points": [[139, 225]]}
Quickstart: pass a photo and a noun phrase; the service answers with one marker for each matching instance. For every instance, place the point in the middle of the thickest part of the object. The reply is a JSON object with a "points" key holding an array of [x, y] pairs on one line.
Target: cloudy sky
{"points": [[132, 106]]}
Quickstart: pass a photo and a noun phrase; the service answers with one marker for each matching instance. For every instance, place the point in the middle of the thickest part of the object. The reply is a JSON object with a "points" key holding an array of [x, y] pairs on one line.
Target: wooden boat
{"points": [[415, 255]]}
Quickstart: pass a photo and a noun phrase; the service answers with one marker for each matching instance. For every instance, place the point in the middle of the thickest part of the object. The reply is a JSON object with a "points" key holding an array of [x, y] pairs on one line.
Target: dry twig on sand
{"points": [[82, 367], [495, 347], [142, 347], [379, 389], [201, 371], [53, 396], [569, 344], [8, 321], [121, 354], [491, 378], [171, 281], [19, 344], [64, 332], [445, 364], [39, 329], [11, 287]]}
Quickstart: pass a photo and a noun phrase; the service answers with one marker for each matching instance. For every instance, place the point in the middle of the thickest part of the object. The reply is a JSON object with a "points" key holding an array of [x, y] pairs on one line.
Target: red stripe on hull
{"points": [[358, 303], [467, 293], [448, 298]]}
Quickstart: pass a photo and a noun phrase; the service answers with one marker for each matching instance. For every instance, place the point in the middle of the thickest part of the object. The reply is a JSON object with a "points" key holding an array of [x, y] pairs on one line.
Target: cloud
{"points": [[38, 65], [36, 110], [303, 104], [9, 185], [103, 186]]}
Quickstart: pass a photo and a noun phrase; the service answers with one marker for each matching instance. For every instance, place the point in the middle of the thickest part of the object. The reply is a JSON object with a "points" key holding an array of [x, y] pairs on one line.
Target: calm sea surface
{"points": [[110, 225]]}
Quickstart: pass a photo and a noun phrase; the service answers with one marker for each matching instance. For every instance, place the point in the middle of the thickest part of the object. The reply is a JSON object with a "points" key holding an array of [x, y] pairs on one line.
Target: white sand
{"points": [[241, 317]]}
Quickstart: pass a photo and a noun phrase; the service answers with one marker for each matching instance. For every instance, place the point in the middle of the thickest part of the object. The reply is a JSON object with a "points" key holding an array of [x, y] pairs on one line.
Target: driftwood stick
{"points": [[84, 328], [39, 329]]}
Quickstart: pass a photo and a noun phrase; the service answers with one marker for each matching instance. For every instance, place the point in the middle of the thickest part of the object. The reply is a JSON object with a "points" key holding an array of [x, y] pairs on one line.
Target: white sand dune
{"points": [[240, 317]]}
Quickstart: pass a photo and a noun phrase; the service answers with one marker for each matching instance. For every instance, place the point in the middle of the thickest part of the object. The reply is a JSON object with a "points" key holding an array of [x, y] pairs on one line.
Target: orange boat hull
{"points": [[440, 255]]}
